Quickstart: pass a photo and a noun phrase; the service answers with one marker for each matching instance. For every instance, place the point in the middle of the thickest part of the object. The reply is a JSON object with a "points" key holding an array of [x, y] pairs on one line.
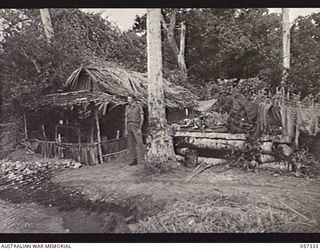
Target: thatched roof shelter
{"points": [[120, 83], [82, 98]]}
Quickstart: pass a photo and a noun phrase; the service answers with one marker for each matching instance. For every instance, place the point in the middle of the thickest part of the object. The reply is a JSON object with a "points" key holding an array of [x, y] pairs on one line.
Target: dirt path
{"points": [[235, 189], [29, 218]]}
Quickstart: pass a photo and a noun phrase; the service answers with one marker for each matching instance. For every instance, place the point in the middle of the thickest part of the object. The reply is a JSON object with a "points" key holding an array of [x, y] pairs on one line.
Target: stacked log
{"points": [[206, 160], [186, 140], [183, 154], [283, 166], [264, 158], [218, 141]]}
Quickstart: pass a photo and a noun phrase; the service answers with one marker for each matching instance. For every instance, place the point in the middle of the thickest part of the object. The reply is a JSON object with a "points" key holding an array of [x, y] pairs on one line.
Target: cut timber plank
{"points": [[182, 151], [206, 143], [227, 136], [217, 144], [179, 158], [263, 158], [283, 166], [266, 147], [209, 161], [210, 135]]}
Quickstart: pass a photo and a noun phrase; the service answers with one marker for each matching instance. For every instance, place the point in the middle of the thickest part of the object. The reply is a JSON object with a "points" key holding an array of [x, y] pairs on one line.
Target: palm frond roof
{"points": [[120, 83]]}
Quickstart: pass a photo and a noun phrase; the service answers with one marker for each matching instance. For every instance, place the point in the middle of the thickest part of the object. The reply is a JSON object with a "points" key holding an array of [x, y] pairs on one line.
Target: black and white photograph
{"points": [[159, 120]]}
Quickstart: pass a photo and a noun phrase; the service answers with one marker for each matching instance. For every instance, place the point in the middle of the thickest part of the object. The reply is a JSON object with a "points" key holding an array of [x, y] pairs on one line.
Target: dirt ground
{"points": [[274, 202], [29, 218]]}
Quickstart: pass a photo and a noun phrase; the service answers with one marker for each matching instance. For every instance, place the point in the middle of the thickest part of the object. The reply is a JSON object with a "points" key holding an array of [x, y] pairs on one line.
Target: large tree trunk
{"points": [[160, 147], [286, 46], [47, 24]]}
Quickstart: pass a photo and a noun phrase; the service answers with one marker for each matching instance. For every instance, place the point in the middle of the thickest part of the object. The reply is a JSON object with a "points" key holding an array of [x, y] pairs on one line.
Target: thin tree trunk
{"points": [[179, 53], [47, 24], [160, 147], [286, 46], [181, 58], [34, 61]]}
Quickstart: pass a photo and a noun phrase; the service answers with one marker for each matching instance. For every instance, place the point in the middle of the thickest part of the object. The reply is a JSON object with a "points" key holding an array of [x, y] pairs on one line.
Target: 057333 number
{"points": [[309, 245]]}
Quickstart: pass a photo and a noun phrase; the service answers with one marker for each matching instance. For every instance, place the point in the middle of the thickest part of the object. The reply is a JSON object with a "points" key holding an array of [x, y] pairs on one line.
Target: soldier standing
{"points": [[134, 120]]}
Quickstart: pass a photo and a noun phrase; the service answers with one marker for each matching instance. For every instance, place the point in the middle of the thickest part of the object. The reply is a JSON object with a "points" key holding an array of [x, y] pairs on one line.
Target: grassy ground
{"points": [[220, 199]]}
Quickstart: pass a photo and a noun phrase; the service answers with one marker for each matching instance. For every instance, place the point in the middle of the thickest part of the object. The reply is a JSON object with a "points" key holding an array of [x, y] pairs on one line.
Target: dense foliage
{"points": [[220, 44], [241, 44], [31, 67], [305, 54]]}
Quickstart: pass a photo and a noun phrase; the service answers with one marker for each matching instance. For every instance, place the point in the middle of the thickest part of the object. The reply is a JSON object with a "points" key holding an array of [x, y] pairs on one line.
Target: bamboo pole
{"points": [[98, 135], [45, 143]]}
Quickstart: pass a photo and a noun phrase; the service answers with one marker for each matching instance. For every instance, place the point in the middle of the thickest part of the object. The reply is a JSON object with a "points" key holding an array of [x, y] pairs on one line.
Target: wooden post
{"points": [[98, 135], [118, 134], [46, 147], [191, 158], [125, 131], [92, 129], [25, 125], [79, 141], [43, 132]]}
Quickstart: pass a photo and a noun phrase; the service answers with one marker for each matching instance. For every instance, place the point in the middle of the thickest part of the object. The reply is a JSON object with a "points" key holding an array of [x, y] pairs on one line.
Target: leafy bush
{"points": [[247, 87]]}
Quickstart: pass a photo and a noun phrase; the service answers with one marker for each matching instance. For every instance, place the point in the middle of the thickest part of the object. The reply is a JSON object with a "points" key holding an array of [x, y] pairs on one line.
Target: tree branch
{"points": [[164, 24], [34, 61]]}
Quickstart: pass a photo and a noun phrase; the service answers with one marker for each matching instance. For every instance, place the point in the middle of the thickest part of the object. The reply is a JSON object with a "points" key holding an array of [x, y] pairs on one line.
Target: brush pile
{"points": [[305, 163], [205, 121], [226, 216], [24, 172]]}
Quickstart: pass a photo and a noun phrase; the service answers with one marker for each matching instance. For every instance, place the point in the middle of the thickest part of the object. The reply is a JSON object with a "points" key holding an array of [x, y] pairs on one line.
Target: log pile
{"points": [[270, 146], [219, 141]]}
